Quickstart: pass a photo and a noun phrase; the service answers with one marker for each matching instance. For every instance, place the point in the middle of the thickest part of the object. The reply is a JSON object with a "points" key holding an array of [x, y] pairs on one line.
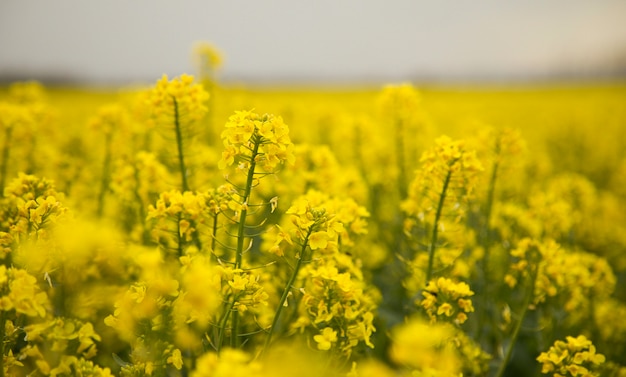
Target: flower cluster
{"points": [[448, 301], [13, 116], [141, 306], [336, 305], [63, 334], [21, 293], [207, 59], [448, 173], [574, 357], [111, 119], [310, 221], [230, 363], [179, 100], [244, 287], [177, 216], [427, 349], [573, 276], [399, 102], [185, 271], [250, 138], [32, 204]]}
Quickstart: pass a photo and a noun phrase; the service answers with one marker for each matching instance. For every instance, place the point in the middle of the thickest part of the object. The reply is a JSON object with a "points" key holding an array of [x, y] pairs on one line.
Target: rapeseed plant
{"points": [[259, 256]]}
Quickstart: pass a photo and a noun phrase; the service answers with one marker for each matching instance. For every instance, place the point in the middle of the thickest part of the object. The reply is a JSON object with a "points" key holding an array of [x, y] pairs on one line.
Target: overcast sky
{"points": [[117, 41]]}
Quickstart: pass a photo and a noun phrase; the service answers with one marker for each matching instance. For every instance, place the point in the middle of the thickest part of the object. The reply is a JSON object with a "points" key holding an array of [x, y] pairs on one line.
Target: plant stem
{"points": [[518, 325], [213, 236], [488, 208], [402, 182], [179, 236], [242, 227], [145, 236], [179, 144], [433, 239], [486, 244], [222, 328], [5, 158], [106, 167], [2, 336], [183, 168], [288, 287], [244, 209]]}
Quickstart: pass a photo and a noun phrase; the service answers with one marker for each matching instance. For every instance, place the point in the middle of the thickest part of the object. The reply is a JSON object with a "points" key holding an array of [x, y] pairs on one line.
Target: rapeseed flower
{"points": [[446, 300], [576, 356], [250, 139]]}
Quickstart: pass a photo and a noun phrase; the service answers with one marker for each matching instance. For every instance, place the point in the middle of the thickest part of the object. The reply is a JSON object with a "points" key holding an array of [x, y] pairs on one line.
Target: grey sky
{"points": [[138, 40]]}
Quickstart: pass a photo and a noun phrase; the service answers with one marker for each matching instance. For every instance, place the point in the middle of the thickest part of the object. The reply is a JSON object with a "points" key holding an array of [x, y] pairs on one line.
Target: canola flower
{"points": [[13, 117], [441, 187], [178, 103], [426, 349], [207, 59], [576, 356], [400, 105], [251, 139], [447, 301]]}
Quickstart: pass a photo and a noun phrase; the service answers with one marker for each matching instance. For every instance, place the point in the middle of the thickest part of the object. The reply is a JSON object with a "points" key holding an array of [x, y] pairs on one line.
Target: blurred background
{"points": [[116, 42]]}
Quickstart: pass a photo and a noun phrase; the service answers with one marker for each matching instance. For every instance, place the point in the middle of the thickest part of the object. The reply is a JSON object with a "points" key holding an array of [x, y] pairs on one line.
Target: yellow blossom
{"points": [[325, 339]]}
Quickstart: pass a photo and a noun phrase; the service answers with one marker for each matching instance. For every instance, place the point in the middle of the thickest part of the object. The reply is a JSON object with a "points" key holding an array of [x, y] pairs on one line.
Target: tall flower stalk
{"points": [[400, 106], [110, 121], [251, 142], [208, 60], [179, 103], [11, 117], [312, 220], [441, 188], [531, 256]]}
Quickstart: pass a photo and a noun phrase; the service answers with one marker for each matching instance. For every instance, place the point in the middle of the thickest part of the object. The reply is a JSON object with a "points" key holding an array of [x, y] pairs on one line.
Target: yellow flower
{"points": [[325, 340], [576, 356], [425, 347], [446, 309], [229, 363], [263, 138], [238, 283], [207, 58], [318, 240], [176, 359], [445, 299], [87, 337], [24, 295], [399, 101], [177, 100]]}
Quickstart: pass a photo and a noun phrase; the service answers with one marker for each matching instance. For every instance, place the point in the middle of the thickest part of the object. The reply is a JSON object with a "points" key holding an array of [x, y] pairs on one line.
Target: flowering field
{"points": [[189, 229]]}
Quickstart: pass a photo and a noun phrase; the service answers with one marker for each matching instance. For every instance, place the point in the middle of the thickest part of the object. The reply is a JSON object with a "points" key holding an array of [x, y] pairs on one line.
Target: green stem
{"points": [[402, 182], [488, 208], [213, 236], [145, 236], [288, 288], [244, 210], [486, 243], [5, 158], [433, 239], [518, 325], [106, 167], [242, 227], [2, 340], [179, 144], [183, 168], [222, 328], [179, 236]]}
